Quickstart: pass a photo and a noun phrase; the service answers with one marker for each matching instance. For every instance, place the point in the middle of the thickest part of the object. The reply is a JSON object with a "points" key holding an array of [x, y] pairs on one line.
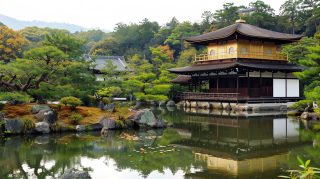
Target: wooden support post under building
{"points": [[286, 83], [237, 86], [217, 83], [261, 90], [248, 87]]}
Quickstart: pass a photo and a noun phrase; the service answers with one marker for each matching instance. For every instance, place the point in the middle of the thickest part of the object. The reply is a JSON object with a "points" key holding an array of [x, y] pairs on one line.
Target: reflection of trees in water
{"points": [[23, 156]]}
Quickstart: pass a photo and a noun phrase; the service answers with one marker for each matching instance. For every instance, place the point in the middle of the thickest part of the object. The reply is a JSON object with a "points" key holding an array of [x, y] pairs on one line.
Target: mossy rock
{"points": [[36, 108]]}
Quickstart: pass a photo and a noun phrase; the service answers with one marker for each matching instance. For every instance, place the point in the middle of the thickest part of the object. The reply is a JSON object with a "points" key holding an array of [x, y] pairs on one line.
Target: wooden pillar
{"points": [[217, 83], [261, 92], [286, 85], [248, 85], [272, 83], [237, 86]]}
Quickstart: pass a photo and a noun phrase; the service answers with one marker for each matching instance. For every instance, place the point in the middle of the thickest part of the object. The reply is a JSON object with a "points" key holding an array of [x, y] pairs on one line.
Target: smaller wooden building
{"points": [[243, 63]]}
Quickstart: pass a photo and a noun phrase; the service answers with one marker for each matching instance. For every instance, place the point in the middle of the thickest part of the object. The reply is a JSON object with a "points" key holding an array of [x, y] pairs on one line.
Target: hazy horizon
{"points": [[104, 15]]}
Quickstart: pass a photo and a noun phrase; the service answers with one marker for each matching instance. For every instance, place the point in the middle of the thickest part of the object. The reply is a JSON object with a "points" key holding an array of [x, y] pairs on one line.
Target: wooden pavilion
{"points": [[243, 63]]}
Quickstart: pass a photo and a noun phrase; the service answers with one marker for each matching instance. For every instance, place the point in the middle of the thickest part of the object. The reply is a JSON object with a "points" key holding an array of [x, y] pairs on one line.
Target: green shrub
{"points": [[119, 124], [15, 97], [28, 123], [301, 105], [71, 101], [317, 111], [76, 118], [305, 171]]}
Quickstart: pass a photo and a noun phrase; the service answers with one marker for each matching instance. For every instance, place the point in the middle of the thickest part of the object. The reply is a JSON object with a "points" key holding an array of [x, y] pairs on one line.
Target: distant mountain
{"points": [[20, 24]]}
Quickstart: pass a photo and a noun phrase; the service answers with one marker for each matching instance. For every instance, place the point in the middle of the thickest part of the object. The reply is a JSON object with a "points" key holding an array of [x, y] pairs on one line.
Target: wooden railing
{"points": [[238, 54], [208, 96]]}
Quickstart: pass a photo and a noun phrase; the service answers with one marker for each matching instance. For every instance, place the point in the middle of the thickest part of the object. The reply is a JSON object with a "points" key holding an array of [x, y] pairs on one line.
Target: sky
{"points": [[105, 14]]}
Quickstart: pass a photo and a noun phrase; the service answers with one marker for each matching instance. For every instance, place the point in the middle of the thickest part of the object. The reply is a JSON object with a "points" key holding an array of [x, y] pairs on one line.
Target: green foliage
{"points": [[11, 44], [313, 94], [112, 91], [75, 118], [317, 111], [68, 44], [301, 105], [71, 101], [14, 97], [108, 46], [28, 123], [305, 172]]}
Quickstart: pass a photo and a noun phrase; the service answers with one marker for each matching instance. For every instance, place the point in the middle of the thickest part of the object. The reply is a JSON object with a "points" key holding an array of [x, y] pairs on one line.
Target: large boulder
{"points": [[309, 116], [75, 174], [110, 107], [36, 108], [108, 123], [48, 116], [14, 126], [146, 118], [94, 127], [42, 127]]}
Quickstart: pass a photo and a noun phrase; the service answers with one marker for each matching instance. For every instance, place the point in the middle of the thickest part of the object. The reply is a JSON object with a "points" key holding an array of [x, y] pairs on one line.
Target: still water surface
{"points": [[200, 145]]}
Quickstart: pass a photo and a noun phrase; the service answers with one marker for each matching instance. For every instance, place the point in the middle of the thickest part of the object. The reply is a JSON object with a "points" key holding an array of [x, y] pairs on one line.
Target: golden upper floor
{"points": [[242, 49], [242, 40]]}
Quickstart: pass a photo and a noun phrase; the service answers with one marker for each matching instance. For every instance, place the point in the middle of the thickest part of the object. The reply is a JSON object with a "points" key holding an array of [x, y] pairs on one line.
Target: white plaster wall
{"points": [[279, 88], [293, 88]]}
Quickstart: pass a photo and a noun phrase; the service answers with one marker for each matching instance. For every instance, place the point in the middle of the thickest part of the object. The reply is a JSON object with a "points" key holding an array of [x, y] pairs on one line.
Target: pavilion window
{"points": [[268, 52], [212, 52], [231, 50], [244, 50]]}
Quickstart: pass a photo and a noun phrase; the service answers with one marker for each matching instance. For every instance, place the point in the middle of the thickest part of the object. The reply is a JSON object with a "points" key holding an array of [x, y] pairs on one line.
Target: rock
{"points": [[42, 127], [101, 105], [94, 127], [294, 113], [49, 116], [36, 108], [313, 116], [80, 128], [104, 132], [146, 118], [110, 107], [108, 123], [75, 174], [13, 126], [309, 116], [138, 104]]}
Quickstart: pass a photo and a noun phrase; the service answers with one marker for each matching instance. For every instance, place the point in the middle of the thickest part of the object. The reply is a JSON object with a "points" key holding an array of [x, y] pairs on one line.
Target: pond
{"points": [[202, 144]]}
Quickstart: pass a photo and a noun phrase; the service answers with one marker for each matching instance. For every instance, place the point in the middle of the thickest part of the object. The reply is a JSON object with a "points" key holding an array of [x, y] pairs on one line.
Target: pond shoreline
{"points": [[45, 119]]}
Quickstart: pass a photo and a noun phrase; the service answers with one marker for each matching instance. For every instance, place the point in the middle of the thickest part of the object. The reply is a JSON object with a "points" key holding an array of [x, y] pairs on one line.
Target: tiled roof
{"points": [[182, 79], [101, 61], [243, 29], [228, 65]]}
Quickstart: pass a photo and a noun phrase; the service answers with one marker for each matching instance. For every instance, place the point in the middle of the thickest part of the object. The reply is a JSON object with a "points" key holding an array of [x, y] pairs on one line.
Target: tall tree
{"points": [[11, 44], [263, 15], [226, 16], [291, 9], [69, 44]]}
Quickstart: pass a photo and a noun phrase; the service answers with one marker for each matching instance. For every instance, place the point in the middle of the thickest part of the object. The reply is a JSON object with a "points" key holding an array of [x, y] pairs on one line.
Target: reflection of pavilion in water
{"points": [[240, 145]]}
